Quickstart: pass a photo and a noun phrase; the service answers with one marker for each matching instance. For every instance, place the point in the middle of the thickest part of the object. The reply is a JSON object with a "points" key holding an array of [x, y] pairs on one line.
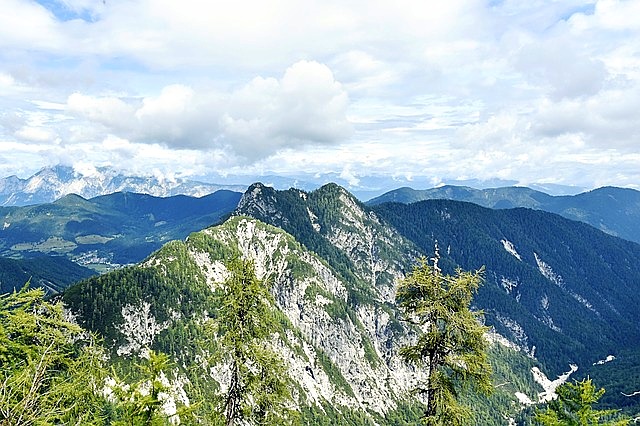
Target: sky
{"points": [[513, 91]]}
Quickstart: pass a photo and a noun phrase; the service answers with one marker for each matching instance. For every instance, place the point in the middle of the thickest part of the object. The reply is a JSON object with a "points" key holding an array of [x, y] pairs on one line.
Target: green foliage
{"points": [[511, 373], [596, 266], [620, 377], [573, 407], [452, 344], [52, 372], [52, 273], [50, 369], [142, 402], [334, 372], [326, 204], [407, 413], [328, 415], [258, 392], [610, 208], [119, 228], [177, 285]]}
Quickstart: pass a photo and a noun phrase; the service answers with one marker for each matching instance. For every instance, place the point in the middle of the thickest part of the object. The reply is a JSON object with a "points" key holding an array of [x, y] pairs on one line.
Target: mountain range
{"points": [[613, 210], [53, 183], [560, 294], [610, 209]]}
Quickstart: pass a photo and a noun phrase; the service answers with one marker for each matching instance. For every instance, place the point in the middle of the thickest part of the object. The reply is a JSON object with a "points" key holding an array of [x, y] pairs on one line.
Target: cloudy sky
{"points": [[523, 91]]}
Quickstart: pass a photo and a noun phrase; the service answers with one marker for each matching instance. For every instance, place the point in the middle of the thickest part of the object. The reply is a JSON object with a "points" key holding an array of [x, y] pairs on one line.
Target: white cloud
{"points": [[312, 105], [110, 111], [348, 175], [561, 66], [41, 33], [463, 88], [6, 82], [35, 134], [618, 15], [306, 106]]}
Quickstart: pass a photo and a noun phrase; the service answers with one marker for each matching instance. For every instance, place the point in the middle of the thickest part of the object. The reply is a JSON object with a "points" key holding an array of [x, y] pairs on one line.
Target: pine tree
{"points": [[51, 370], [258, 392], [450, 342], [150, 400], [573, 407]]}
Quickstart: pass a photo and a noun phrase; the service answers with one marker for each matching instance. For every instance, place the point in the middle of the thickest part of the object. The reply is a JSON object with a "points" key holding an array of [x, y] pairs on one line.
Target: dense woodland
{"points": [[55, 372], [588, 262]]}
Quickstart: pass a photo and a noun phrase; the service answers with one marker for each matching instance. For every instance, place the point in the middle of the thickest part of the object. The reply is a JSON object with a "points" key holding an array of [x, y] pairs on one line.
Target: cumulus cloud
{"points": [[306, 106], [42, 32], [112, 112], [463, 88]]}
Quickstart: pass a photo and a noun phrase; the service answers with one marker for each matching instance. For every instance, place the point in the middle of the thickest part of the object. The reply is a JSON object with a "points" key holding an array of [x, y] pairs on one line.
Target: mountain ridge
{"points": [[333, 264], [52, 183], [611, 209], [341, 352], [293, 212]]}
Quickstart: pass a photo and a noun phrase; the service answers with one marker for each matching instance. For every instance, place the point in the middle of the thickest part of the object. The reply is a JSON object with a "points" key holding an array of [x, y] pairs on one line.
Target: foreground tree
{"points": [[150, 400], [451, 342], [258, 392], [573, 407], [51, 370]]}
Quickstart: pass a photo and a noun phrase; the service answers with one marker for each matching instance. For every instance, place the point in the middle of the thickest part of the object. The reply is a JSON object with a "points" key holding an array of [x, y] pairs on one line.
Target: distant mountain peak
{"points": [[52, 183]]}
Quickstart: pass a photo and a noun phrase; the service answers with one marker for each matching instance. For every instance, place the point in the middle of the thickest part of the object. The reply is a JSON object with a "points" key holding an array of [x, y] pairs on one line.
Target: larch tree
{"points": [[450, 341], [51, 370], [258, 392], [573, 407]]}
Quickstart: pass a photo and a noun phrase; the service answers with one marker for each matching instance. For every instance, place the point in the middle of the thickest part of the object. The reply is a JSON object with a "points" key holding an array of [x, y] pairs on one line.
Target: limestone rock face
{"points": [[336, 352]]}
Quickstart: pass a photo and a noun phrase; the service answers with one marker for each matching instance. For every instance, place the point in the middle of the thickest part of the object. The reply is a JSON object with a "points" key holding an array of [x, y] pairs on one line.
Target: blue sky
{"points": [[522, 92]]}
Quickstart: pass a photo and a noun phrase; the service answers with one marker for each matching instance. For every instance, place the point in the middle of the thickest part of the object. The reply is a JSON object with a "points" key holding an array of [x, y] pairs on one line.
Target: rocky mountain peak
{"points": [[52, 183], [332, 222]]}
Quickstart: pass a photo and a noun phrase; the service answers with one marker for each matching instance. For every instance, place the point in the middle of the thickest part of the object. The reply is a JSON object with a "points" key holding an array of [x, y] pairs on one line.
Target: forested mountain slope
{"points": [[562, 290], [610, 209], [338, 333], [110, 230], [52, 273], [560, 286]]}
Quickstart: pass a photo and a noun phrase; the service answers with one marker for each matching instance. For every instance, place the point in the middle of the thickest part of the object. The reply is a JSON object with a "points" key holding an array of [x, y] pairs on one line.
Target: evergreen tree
{"points": [[451, 341], [258, 392], [51, 370], [573, 407], [149, 401]]}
